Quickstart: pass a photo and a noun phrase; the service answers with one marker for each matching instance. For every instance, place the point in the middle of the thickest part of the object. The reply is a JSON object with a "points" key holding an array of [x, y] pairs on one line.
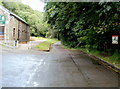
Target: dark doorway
{"points": [[2, 32]]}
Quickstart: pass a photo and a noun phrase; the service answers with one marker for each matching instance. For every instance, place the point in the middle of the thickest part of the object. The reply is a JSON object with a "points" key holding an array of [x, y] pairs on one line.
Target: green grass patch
{"points": [[112, 59], [37, 38], [45, 46], [40, 38]]}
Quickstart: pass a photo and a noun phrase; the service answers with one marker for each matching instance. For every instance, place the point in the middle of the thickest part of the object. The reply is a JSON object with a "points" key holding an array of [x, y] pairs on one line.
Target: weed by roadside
{"points": [[112, 59], [45, 46]]}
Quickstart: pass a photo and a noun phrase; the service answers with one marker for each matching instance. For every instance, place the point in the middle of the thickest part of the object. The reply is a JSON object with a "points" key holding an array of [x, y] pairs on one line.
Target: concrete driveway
{"points": [[57, 68]]}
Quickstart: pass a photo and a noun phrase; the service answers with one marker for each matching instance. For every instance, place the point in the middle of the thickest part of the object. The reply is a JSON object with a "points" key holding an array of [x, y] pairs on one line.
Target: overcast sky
{"points": [[35, 4]]}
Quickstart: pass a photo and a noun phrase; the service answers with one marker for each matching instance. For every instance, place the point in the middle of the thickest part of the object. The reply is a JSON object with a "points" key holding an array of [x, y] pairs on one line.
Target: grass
{"points": [[40, 38], [112, 59], [45, 46], [37, 38]]}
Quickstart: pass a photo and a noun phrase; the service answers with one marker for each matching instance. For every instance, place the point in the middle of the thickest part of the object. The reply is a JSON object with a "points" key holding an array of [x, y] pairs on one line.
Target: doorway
{"points": [[2, 32]]}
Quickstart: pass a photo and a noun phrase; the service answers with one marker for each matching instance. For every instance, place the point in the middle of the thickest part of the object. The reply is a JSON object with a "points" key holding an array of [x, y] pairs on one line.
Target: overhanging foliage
{"points": [[86, 24]]}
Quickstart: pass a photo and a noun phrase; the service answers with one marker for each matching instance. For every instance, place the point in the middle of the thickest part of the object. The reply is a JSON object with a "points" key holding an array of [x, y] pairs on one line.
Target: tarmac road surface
{"points": [[57, 68]]}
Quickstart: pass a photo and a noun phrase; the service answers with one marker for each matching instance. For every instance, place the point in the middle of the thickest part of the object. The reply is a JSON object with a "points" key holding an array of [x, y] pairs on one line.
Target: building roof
{"points": [[11, 13]]}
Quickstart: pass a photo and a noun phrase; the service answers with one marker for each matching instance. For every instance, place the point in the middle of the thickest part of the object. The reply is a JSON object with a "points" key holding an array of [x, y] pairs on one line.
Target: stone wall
{"points": [[21, 30], [6, 26], [15, 29]]}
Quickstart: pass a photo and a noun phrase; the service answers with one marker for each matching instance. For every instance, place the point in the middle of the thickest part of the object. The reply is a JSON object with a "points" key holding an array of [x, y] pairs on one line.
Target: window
{"points": [[13, 33]]}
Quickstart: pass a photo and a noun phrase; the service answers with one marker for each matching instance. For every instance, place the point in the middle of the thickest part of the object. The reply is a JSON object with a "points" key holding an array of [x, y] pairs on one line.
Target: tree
{"points": [[86, 24]]}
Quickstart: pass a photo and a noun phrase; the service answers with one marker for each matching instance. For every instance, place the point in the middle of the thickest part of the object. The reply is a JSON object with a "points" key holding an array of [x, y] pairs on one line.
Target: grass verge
{"points": [[37, 38], [112, 59], [46, 45]]}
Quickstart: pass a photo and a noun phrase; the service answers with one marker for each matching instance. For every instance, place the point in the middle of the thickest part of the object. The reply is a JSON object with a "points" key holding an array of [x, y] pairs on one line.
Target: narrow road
{"points": [[57, 68]]}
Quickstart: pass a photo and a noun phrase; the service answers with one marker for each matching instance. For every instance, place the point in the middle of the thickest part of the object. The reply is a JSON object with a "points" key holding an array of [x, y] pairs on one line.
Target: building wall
{"points": [[15, 29], [23, 33], [13, 25], [28, 32], [21, 30], [6, 26]]}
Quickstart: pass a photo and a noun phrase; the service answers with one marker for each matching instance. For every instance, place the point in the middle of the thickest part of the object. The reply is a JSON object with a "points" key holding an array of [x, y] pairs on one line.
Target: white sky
{"points": [[35, 4]]}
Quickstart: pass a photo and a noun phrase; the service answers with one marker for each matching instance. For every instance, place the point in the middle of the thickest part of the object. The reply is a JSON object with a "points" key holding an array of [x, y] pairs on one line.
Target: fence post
{"points": [[17, 43]]}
